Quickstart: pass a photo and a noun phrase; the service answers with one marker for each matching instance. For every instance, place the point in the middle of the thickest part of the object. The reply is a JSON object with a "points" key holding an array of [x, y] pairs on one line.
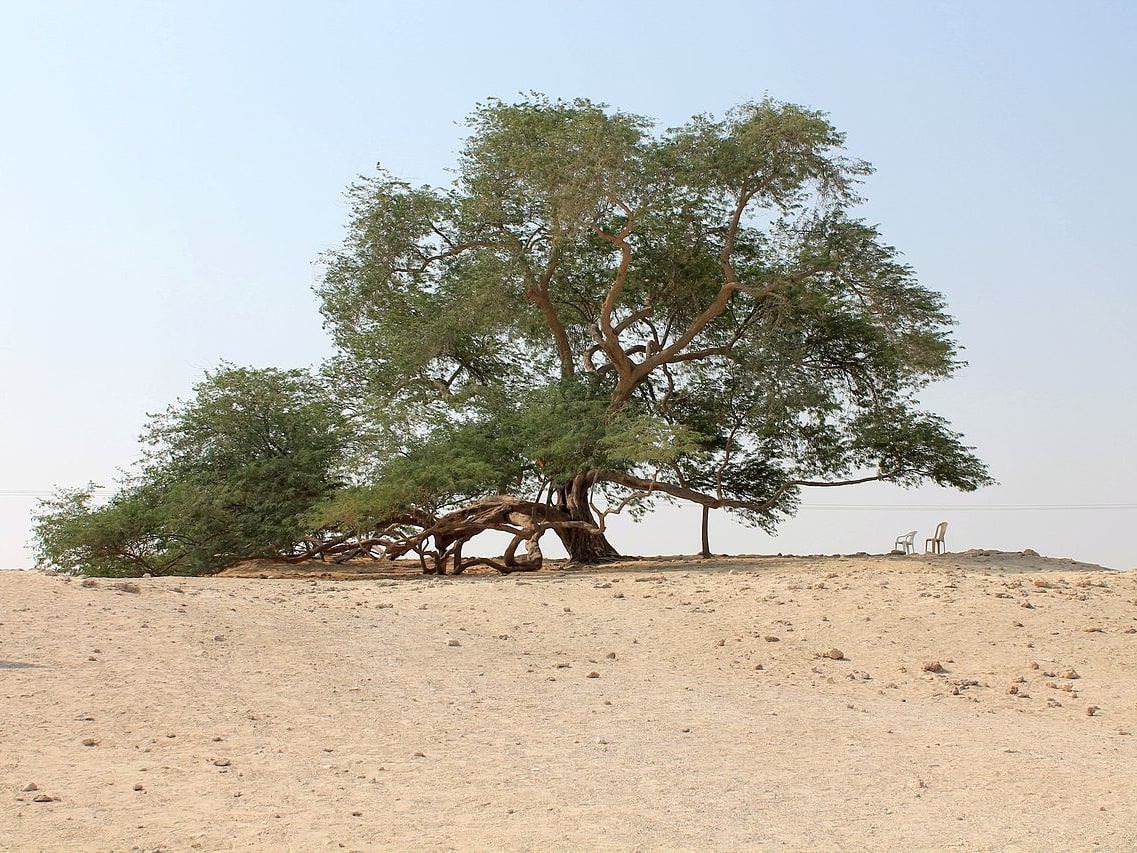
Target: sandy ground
{"points": [[857, 703]]}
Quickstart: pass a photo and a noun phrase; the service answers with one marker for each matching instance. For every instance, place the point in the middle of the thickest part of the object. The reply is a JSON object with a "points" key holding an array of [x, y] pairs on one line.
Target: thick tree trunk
{"points": [[706, 552], [583, 546]]}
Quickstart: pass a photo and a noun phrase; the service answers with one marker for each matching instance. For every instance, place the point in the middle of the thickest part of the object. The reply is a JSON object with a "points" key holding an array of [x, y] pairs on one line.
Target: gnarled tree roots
{"points": [[438, 542]]}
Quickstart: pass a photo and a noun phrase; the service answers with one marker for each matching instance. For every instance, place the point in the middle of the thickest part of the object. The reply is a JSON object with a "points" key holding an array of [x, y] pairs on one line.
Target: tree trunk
{"points": [[583, 546], [706, 552]]}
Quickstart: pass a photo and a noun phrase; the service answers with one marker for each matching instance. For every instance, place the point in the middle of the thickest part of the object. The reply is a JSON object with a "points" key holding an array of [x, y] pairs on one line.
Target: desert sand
{"points": [[978, 701]]}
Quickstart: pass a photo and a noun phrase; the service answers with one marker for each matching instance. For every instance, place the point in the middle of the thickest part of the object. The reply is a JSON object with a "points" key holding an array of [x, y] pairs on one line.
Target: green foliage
{"points": [[593, 305], [695, 308], [119, 539], [229, 474]]}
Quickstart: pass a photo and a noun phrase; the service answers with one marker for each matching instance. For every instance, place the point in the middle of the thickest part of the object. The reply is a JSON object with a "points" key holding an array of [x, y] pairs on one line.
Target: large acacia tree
{"points": [[596, 313]]}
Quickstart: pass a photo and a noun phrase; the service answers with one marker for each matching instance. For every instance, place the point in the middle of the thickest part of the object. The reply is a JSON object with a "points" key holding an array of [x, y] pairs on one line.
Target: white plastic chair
{"points": [[906, 543], [935, 544]]}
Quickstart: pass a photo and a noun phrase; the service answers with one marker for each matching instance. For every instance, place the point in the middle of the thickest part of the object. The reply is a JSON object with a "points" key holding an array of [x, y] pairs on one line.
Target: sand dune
{"points": [[981, 702]]}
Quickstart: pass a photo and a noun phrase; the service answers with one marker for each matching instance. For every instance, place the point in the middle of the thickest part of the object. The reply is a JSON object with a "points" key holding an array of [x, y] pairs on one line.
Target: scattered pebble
{"points": [[31, 786], [1092, 710], [90, 741], [932, 666], [138, 786], [834, 654], [1069, 674], [221, 762], [452, 643], [771, 639], [593, 674]]}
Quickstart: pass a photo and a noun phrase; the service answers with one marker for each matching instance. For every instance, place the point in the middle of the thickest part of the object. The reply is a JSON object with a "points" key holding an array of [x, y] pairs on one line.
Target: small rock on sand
{"points": [[834, 654], [933, 666]]}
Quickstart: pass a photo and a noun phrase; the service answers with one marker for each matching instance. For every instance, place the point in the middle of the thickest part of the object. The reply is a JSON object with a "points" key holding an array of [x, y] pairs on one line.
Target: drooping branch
{"points": [[715, 502], [442, 538], [633, 497]]}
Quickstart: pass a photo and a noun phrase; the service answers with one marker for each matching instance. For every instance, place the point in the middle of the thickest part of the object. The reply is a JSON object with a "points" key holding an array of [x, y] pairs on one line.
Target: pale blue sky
{"points": [[169, 172]]}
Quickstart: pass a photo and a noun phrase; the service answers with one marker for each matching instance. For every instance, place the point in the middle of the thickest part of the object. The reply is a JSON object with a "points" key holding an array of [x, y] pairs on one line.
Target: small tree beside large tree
{"points": [[594, 315], [229, 474]]}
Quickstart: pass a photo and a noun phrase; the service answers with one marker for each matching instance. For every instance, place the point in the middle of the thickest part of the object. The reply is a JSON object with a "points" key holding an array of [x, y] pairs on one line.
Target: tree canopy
{"points": [[230, 474], [595, 314]]}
